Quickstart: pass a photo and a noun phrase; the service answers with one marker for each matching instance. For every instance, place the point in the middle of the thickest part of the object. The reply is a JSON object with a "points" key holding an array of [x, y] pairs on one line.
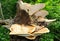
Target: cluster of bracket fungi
{"points": [[37, 23]]}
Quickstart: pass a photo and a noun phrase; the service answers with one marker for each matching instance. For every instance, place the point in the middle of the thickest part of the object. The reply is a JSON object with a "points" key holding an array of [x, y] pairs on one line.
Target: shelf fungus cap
{"points": [[35, 34], [34, 8], [27, 31], [17, 29], [41, 13]]}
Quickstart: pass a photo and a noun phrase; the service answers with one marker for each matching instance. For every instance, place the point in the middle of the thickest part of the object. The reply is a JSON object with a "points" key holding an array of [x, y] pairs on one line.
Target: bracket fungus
{"points": [[37, 14], [29, 32]]}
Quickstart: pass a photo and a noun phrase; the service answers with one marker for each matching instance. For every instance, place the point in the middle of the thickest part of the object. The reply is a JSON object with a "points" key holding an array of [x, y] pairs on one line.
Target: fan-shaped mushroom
{"points": [[34, 8], [41, 13], [27, 31]]}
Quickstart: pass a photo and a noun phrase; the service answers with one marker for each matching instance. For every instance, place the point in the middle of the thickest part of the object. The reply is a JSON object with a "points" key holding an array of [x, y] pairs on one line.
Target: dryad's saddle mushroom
{"points": [[38, 21]]}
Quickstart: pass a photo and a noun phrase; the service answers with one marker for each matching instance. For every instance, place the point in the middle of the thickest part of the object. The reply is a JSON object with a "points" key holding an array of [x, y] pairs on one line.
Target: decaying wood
{"points": [[22, 17], [20, 38]]}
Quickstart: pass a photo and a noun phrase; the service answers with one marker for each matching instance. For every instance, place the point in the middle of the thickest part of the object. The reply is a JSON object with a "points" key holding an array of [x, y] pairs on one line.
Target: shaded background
{"points": [[52, 6]]}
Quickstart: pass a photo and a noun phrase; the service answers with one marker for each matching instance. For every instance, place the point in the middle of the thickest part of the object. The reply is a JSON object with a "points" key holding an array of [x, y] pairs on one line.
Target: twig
{"points": [[7, 21], [1, 12], [7, 26]]}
